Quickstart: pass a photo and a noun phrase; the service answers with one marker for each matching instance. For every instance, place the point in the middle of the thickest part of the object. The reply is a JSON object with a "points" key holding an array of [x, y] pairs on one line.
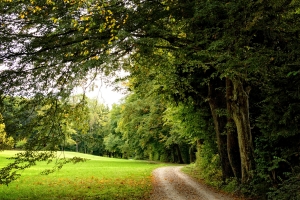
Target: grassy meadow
{"points": [[98, 178]]}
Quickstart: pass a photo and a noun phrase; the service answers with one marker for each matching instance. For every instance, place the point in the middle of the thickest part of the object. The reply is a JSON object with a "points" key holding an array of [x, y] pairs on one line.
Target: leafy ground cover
{"points": [[206, 174], [98, 178]]}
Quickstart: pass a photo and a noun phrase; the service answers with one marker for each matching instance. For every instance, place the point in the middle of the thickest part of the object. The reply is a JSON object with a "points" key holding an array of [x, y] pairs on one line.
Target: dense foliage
{"points": [[217, 76]]}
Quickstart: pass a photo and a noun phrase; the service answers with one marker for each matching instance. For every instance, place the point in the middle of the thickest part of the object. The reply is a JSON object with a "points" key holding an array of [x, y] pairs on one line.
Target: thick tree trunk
{"points": [[217, 102], [198, 147], [239, 107], [192, 154], [232, 138], [198, 153]]}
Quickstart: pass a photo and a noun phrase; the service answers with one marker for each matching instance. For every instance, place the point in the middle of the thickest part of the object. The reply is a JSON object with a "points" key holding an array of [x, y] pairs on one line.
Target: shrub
{"points": [[21, 144]]}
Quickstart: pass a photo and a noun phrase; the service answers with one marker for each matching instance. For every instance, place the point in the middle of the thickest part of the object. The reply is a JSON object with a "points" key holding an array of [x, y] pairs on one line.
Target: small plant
{"points": [[231, 185]]}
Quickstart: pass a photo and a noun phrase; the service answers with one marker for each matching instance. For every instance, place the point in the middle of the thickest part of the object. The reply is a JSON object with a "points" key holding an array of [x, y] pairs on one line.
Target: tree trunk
{"points": [[199, 143], [77, 148], [232, 138], [192, 154], [216, 100], [179, 154], [174, 158], [84, 147], [239, 107]]}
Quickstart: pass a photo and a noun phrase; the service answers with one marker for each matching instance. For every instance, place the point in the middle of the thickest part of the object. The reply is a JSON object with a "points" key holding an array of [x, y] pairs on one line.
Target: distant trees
{"points": [[91, 139], [6, 142], [142, 127]]}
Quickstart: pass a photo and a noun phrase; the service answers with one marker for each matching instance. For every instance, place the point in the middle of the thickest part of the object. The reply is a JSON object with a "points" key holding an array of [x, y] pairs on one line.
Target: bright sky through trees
{"points": [[104, 89], [106, 94]]}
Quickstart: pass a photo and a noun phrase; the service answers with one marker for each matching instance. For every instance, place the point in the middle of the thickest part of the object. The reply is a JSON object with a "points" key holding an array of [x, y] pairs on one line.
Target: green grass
{"points": [[98, 178]]}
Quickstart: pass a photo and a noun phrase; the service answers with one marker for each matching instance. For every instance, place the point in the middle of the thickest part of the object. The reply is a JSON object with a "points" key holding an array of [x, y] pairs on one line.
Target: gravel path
{"points": [[172, 184]]}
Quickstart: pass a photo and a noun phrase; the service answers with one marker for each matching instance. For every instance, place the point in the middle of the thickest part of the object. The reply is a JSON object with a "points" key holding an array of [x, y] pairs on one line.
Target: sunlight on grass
{"points": [[98, 178]]}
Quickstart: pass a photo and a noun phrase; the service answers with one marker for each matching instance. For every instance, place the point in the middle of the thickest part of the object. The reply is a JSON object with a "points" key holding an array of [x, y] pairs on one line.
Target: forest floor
{"points": [[171, 184]]}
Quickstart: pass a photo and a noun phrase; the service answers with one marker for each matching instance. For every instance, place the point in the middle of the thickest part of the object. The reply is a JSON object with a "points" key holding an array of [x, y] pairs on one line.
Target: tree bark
{"points": [[77, 148], [84, 147], [217, 102], [192, 155], [179, 154], [232, 138], [239, 108]]}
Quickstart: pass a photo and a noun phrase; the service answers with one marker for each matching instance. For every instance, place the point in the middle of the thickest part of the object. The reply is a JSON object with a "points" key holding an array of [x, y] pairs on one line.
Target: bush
{"points": [[21, 144], [208, 163], [288, 190], [231, 185]]}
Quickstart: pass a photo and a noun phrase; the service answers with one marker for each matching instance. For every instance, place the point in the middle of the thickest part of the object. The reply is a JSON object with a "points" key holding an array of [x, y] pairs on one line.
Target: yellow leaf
{"points": [[84, 18], [95, 58], [86, 52], [182, 35], [54, 19], [84, 42], [49, 2]]}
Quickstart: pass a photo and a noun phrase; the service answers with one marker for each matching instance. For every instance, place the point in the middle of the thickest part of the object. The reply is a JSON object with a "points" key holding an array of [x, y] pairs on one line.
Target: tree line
{"points": [[133, 129]]}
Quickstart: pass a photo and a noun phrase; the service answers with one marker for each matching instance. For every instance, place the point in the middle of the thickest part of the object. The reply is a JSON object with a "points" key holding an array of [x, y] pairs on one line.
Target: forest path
{"points": [[171, 184]]}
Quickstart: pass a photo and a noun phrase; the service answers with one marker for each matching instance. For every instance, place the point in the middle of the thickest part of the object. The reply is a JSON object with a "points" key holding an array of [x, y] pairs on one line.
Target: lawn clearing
{"points": [[98, 178]]}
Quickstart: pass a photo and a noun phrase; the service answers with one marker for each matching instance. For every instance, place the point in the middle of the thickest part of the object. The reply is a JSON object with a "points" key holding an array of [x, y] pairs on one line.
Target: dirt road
{"points": [[172, 184]]}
